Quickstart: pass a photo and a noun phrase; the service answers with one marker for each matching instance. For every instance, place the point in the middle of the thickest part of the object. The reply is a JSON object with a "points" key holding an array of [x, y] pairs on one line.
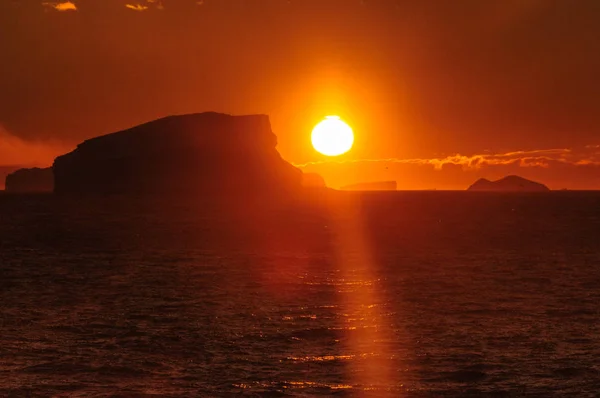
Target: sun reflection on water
{"points": [[323, 358], [301, 384], [360, 299]]}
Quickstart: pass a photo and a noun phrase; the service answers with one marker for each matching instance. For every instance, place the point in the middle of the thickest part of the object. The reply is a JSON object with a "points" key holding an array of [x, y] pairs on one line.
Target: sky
{"points": [[439, 93]]}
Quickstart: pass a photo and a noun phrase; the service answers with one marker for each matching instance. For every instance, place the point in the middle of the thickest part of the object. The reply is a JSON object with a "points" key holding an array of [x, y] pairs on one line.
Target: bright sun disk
{"points": [[332, 136]]}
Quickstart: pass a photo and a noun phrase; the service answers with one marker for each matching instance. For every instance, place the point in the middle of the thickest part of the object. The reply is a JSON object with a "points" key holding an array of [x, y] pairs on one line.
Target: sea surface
{"points": [[403, 294]]}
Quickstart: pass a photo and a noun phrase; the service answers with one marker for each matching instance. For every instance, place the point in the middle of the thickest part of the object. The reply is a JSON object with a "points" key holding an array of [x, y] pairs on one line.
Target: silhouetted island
{"points": [[371, 186], [207, 153], [30, 180], [508, 184]]}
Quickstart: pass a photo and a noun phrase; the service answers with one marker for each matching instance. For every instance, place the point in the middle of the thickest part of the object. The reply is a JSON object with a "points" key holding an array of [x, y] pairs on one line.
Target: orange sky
{"points": [[511, 86]]}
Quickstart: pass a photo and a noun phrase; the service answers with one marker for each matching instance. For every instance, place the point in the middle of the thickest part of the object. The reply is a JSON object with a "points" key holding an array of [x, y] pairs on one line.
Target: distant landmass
{"points": [[30, 180], [510, 183], [371, 186], [5, 171], [206, 153]]}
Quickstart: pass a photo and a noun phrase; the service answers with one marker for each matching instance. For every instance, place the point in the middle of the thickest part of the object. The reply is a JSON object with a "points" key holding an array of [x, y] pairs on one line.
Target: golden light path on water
{"points": [[340, 321], [370, 369], [361, 355]]}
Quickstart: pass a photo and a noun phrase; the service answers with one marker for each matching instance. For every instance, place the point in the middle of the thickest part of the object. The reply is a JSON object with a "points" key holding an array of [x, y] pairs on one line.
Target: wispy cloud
{"points": [[139, 6], [61, 6], [533, 158], [136, 7], [158, 4]]}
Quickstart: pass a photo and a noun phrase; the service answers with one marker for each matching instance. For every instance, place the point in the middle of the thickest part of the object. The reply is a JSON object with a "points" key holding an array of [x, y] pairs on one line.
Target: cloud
{"points": [[136, 7], [70, 6], [158, 4], [589, 156], [61, 6], [19, 152]]}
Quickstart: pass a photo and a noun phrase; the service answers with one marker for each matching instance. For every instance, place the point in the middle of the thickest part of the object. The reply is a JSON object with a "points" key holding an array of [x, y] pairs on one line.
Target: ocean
{"points": [[403, 294]]}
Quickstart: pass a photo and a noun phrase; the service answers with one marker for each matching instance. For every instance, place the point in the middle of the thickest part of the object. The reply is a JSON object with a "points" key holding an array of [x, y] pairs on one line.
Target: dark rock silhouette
{"points": [[313, 180], [207, 153], [371, 186], [30, 180], [508, 184], [5, 171]]}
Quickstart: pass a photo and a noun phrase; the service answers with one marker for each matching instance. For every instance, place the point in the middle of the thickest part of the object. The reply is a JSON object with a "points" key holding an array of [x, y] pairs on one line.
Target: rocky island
{"points": [[30, 181], [510, 183], [208, 154]]}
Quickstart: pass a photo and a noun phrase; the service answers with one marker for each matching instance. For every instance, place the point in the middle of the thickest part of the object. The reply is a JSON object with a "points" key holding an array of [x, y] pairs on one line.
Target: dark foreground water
{"points": [[427, 294]]}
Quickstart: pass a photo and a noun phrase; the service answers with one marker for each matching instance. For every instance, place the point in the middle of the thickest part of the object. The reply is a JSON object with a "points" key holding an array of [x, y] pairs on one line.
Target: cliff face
{"points": [[372, 186], [206, 153], [30, 180], [508, 184]]}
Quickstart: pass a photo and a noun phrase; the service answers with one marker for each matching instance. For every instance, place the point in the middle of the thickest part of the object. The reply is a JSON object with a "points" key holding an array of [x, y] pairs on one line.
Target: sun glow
{"points": [[332, 136]]}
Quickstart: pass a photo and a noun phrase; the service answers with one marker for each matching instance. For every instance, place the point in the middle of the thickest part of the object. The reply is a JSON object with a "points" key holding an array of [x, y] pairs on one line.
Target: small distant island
{"points": [[34, 180], [510, 183], [371, 186]]}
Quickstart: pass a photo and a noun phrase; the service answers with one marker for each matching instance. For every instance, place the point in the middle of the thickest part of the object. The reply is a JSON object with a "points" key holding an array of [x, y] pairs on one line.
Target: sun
{"points": [[332, 136]]}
